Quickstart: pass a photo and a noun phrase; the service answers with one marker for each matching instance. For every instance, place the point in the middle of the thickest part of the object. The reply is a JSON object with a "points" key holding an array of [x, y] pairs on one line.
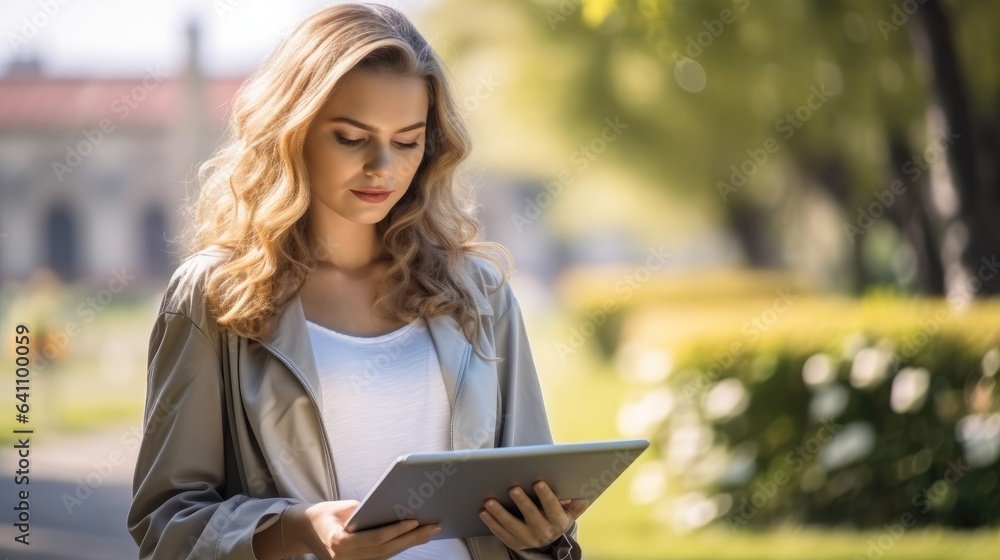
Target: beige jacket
{"points": [[232, 431]]}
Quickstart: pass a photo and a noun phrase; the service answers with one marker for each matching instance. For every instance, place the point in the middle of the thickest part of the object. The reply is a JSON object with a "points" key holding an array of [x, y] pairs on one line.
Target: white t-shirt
{"points": [[383, 396]]}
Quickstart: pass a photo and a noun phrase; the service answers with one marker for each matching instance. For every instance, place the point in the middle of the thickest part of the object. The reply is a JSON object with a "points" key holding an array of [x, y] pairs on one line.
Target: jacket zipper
{"points": [[473, 550], [332, 474], [458, 394]]}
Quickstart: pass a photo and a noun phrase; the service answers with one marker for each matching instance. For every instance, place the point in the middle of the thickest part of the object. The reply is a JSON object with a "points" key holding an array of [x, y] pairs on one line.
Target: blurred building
{"points": [[92, 171]]}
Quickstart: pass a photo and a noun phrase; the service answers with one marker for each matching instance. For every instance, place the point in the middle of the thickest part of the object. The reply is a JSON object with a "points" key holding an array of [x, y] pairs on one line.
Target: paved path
{"points": [[79, 493]]}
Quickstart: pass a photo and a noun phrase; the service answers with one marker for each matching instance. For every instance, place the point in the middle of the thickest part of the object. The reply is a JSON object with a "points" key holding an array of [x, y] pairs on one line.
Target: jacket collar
{"points": [[291, 339]]}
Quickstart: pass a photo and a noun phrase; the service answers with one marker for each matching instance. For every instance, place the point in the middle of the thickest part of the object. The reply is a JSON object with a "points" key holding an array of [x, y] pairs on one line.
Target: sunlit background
{"points": [[762, 235]]}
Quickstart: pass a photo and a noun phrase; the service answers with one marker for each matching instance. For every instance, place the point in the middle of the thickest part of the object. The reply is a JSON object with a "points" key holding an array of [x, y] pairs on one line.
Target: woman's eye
{"points": [[348, 141], [352, 143]]}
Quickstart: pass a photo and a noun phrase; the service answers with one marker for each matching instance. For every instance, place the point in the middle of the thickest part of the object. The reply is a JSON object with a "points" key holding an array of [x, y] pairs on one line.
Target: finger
{"points": [[531, 514], [396, 545], [532, 523], [555, 512], [577, 507], [344, 514], [375, 537], [500, 531], [417, 536], [506, 519]]}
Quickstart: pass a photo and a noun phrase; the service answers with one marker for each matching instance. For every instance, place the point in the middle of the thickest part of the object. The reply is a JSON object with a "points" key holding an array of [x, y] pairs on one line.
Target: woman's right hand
{"points": [[321, 527]]}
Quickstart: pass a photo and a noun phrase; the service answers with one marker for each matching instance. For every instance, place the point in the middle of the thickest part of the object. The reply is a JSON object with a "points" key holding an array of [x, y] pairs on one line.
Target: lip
{"points": [[372, 195]]}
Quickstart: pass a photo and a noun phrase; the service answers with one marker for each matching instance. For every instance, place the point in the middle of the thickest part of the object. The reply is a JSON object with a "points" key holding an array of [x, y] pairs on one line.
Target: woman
{"points": [[338, 310]]}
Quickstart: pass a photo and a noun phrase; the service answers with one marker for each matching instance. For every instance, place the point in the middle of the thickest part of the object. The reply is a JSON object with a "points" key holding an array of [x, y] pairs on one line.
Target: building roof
{"points": [[44, 102]]}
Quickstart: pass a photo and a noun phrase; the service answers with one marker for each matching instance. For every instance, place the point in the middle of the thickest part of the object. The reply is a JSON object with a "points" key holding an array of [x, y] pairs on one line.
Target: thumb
{"points": [[346, 508], [578, 505]]}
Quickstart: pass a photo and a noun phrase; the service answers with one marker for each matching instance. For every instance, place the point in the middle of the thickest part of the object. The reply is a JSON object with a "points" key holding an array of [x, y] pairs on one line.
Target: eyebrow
{"points": [[370, 128]]}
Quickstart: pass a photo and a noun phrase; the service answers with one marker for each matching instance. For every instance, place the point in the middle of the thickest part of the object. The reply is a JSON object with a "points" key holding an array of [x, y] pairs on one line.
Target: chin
{"points": [[367, 217]]}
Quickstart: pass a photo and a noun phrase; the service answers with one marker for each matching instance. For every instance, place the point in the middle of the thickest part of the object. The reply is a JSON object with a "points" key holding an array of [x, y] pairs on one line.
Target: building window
{"points": [[156, 255], [61, 242]]}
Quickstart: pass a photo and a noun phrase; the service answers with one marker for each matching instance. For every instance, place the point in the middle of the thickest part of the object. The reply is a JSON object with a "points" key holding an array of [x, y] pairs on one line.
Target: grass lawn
{"points": [[99, 380]]}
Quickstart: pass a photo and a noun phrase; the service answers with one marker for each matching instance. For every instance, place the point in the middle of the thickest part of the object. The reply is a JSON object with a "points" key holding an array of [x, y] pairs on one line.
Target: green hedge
{"points": [[836, 432]]}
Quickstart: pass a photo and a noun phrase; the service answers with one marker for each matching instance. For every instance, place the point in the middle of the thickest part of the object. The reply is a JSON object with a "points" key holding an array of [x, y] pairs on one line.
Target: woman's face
{"points": [[369, 135]]}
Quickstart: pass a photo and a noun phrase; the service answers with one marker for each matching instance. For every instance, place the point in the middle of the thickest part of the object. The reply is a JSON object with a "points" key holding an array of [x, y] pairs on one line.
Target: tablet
{"points": [[450, 487]]}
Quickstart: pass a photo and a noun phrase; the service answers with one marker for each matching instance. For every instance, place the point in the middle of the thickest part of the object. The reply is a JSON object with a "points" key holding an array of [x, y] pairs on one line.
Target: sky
{"points": [[108, 38]]}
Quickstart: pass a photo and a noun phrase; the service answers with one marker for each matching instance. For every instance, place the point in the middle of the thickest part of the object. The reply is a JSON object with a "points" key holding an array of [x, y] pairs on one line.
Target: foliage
{"points": [[890, 424]]}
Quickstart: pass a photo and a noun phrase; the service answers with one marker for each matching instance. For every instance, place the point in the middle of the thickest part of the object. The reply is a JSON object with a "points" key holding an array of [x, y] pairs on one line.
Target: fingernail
{"points": [[564, 502]]}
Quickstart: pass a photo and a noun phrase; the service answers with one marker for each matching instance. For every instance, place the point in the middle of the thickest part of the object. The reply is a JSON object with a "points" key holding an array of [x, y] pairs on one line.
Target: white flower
{"points": [[909, 389], [991, 362], [639, 418], [869, 367], [818, 370], [855, 441], [980, 437], [726, 399], [828, 402]]}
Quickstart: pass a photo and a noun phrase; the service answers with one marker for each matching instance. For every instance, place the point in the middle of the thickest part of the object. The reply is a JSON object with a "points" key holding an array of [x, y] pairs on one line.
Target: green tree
{"points": [[887, 112]]}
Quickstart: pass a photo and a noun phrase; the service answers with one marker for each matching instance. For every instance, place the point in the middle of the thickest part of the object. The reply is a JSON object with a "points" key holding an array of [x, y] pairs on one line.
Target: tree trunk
{"points": [[961, 202]]}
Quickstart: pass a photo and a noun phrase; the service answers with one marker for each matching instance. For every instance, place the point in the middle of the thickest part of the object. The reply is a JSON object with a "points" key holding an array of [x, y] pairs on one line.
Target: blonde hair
{"points": [[254, 191]]}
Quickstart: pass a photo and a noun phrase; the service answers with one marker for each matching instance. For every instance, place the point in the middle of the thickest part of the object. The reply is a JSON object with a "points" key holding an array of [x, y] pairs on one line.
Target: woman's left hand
{"points": [[539, 528]]}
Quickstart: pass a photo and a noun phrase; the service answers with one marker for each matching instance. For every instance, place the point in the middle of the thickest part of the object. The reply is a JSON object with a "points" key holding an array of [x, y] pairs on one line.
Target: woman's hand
{"points": [[320, 527], [539, 528]]}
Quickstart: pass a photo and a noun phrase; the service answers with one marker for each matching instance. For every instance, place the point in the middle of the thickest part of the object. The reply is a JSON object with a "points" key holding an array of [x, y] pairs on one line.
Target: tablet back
{"points": [[450, 487]]}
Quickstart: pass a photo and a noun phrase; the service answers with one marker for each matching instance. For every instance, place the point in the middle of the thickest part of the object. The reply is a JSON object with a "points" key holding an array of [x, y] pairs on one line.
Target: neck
{"points": [[345, 245]]}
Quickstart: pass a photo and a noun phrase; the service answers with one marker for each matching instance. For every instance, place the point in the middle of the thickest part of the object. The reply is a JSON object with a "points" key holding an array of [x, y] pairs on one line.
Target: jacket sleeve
{"points": [[177, 510], [524, 420]]}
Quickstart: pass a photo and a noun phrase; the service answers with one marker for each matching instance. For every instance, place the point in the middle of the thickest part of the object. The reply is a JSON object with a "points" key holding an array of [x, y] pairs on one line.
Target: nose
{"points": [[380, 165]]}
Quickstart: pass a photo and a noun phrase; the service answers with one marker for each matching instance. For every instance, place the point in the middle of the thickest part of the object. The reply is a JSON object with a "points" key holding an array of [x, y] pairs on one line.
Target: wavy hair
{"points": [[254, 191]]}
